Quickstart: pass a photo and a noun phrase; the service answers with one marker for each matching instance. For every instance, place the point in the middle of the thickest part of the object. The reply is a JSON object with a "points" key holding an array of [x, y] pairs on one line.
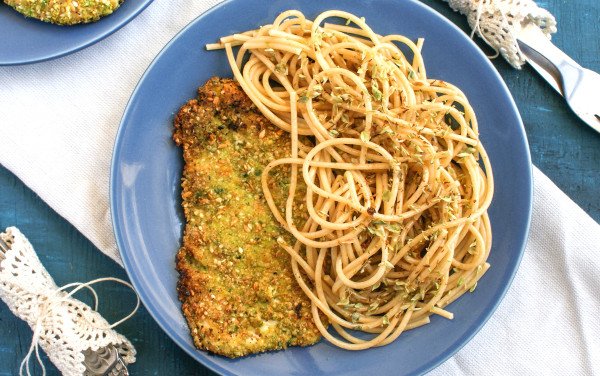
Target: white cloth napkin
{"points": [[58, 121], [548, 322]]}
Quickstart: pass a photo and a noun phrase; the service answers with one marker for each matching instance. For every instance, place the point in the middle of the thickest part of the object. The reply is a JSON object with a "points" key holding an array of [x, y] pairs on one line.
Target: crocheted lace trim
{"points": [[499, 22], [64, 326]]}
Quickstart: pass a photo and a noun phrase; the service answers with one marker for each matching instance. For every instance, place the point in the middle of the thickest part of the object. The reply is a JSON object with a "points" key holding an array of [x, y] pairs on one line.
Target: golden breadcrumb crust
{"points": [[65, 12], [238, 291]]}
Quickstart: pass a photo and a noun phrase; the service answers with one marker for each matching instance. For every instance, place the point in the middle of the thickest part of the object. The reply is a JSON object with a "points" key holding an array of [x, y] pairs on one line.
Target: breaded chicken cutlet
{"points": [[65, 12], [236, 285]]}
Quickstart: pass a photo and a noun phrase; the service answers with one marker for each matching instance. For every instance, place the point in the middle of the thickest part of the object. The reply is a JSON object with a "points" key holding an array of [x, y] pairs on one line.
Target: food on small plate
{"points": [[65, 12], [236, 285]]}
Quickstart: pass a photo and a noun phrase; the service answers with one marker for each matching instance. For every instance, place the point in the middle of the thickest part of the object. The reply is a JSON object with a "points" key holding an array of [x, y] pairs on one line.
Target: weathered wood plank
{"points": [[563, 147], [70, 257]]}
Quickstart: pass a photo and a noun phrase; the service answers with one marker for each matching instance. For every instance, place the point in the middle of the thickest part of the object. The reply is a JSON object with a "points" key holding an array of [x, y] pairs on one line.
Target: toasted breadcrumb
{"points": [[65, 12], [236, 284]]}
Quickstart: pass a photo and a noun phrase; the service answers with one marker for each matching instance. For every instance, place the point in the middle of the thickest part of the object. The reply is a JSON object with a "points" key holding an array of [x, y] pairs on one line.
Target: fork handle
{"points": [[539, 49]]}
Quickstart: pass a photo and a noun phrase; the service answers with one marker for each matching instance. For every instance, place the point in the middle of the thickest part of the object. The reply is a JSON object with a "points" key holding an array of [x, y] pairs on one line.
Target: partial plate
{"points": [[27, 40], [146, 172]]}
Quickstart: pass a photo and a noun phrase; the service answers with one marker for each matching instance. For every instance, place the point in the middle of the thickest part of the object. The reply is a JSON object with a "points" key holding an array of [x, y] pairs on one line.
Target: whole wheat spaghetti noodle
{"points": [[397, 181]]}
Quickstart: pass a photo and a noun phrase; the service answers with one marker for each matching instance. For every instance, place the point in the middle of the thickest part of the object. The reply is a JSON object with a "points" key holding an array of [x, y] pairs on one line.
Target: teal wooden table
{"points": [[561, 146]]}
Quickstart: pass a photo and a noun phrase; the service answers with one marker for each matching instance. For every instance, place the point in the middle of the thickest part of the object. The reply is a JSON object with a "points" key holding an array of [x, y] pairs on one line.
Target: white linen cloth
{"points": [[58, 121]]}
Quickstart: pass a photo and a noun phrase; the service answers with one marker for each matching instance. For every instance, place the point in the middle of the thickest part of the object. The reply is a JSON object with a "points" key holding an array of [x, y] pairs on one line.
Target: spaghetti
{"points": [[397, 181]]}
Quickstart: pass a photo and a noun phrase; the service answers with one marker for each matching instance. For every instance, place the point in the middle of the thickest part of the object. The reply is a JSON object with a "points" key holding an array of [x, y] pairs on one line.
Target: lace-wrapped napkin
{"points": [[498, 22], [62, 326]]}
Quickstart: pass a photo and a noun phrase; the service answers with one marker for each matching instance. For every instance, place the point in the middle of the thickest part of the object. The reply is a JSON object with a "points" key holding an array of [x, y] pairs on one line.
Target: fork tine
{"points": [[3, 247], [105, 361]]}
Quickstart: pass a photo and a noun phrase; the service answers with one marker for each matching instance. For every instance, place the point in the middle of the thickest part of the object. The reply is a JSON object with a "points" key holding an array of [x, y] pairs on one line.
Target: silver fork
{"points": [[578, 85], [106, 361]]}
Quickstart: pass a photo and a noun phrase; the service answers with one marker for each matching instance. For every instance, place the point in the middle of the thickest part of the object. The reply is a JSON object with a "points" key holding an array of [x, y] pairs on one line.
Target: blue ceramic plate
{"points": [[147, 166], [27, 40]]}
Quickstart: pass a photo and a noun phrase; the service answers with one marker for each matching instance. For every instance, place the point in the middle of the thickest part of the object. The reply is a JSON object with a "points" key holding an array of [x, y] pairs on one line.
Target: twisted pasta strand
{"points": [[397, 181]]}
